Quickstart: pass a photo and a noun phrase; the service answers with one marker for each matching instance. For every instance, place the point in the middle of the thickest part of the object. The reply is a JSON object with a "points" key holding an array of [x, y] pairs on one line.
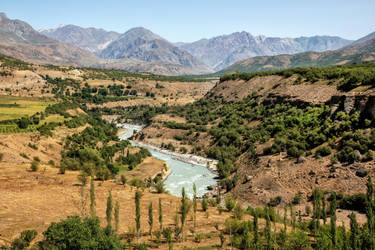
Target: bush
{"points": [[238, 211], [51, 163], [297, 198], [34, 166], [123, 179], [323, 151], [1, 156], [275, 201], [230, 203]]}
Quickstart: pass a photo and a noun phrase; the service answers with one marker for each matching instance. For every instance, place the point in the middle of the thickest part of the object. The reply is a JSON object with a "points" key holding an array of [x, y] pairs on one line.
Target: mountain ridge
{"points": [[222, 51]]}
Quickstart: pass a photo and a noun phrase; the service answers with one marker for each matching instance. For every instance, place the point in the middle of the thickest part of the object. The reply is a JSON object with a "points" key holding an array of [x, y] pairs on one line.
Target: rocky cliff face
{"points": [[364, 103]]}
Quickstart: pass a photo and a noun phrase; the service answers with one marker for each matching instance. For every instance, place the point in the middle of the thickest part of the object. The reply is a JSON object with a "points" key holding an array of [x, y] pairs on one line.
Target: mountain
{"points": [[222, 51], [91, 39], [140, 43], [365, 38], [355, 53], [18, 39]]}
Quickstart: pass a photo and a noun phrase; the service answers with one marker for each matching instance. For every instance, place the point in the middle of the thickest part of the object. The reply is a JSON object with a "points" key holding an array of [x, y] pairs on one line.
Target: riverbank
{"points": [[210, 164], [185, 169]]}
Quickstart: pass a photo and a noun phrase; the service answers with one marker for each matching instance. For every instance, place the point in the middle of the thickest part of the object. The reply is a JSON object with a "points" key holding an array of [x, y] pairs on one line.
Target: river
{"points": [[182, 174]]}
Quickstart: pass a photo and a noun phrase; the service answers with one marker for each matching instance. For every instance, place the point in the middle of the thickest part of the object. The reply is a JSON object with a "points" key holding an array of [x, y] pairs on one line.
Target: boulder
{"points": [[301, 159], [358, 155], [362, 172]]}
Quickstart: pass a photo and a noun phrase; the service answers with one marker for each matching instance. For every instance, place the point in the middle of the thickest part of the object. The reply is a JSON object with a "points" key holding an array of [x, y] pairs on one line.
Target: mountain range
{"points": [[139, 49], [222, 51], [362, 50]]}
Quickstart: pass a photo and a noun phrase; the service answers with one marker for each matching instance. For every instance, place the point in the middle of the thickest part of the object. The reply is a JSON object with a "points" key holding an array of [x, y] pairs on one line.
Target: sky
{"points": [[191, 20]]}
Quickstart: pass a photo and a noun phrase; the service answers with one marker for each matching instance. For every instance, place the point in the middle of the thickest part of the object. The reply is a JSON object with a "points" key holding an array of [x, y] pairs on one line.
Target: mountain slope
{"points": [[18, 39], [222, 51], [358, 52], [90, 39], [142, 44]]}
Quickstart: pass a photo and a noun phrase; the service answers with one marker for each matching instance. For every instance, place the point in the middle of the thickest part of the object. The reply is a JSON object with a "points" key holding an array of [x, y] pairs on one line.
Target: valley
{"points": [[192, 133]]}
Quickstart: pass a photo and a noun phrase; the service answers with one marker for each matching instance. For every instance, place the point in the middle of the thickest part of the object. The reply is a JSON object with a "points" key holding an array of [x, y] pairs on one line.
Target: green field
{"points": [[16, 107]]}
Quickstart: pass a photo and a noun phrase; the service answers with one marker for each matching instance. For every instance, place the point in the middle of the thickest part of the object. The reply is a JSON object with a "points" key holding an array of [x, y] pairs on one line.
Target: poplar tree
{"points": [[354, 232], [195, 205], [267, 231], [150, 218], [160, 216], [117, 216], [256, 229], [137, 199], [109, 212], [370, 214], [185, 207], [333, 220], [324, 210], [92, 198]]}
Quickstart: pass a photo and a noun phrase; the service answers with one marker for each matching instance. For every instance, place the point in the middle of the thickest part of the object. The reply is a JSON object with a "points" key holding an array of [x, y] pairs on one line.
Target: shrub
{"points": [[51, 162], [297, 198], [275, 201], [1, 156], [34, 166], [123, 179], [238, 211], [323, 151], [230, 203], [36, 158]]}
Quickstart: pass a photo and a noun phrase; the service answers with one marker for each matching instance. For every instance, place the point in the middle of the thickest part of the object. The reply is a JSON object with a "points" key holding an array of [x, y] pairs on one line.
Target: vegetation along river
{"points": [[183, 174]]}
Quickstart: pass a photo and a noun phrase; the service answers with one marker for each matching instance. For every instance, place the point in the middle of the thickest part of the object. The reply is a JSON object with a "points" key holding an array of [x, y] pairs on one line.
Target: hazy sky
{"points": [[190, 20]]}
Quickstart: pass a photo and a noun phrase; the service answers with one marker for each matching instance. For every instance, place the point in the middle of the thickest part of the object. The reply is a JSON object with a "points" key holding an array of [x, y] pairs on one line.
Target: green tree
{"points": [[75, 233], [117, 216], [256, 230], [160, 215], [167, 233], [109, 212], [354, 232], [137, 212], [204, 204], [333, 221], [150, 218], [185, 207], [267, 231], [92, 198], [195, 205]]}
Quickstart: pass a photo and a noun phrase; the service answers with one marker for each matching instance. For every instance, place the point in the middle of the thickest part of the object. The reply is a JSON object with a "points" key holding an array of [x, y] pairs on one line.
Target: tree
{"points": [[109, 212], [150, 218], [195, 205], [317, 211], [370, 213], [92, 198], [22, 242], [160, 216], [204, 204], [77, 233], [185, 207], [333, 220], [230, 203], [137, 212], [267, 231], [256, 229], [117, 216], [167, 233], [354, 232]]}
